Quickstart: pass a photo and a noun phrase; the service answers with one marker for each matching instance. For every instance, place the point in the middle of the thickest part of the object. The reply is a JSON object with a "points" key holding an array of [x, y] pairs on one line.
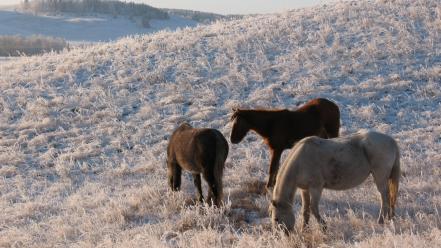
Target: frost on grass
{"points": [[83, 133]]}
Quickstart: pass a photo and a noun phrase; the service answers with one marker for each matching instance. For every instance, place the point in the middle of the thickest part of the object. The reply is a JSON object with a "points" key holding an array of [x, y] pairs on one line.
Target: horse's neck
{"points": [[259, 121], [285, 187]]}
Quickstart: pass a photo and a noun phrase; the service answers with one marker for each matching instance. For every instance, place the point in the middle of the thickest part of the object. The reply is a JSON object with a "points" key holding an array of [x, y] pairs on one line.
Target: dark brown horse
{"points": [[198, 150], [281, 129]]}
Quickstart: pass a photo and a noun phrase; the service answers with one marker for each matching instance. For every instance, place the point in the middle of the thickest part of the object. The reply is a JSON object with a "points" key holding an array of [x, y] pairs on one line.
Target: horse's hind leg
{"points": [[315, 194], [382, 187], [174, 176], [305, 208], [213, 188], [197, 184]]}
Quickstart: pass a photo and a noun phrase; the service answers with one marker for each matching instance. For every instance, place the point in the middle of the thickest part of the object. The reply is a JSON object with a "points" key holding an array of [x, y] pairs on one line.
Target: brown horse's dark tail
{"points": [[330, 115], [219, 164], [393, 182], [333, 129]]}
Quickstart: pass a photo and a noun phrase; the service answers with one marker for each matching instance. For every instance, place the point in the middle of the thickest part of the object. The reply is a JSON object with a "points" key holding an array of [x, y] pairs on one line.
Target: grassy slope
{"points": [[83, 134]]}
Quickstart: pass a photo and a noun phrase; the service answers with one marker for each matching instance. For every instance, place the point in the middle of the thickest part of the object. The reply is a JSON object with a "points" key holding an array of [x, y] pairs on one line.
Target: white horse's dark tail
{"points": [[393, 182], [219, 164]]}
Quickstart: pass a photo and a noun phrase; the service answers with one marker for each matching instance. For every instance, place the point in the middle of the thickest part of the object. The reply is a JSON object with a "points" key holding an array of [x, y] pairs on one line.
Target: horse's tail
{"points": [[393, 181], [219, 163], [330, 116]]}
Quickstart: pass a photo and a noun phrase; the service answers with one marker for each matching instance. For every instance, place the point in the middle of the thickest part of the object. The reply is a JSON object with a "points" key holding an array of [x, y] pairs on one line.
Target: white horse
{"points": [[339, 164]]}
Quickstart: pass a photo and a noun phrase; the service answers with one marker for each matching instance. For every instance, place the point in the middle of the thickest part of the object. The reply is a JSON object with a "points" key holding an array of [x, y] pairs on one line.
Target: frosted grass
{"points": [[83, 133]]}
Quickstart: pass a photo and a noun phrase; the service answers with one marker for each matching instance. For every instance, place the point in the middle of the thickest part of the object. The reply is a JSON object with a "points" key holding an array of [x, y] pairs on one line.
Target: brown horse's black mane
{"points": [[243, 112]]}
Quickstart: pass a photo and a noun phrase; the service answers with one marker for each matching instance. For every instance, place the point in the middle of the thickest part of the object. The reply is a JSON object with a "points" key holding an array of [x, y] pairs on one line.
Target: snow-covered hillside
{"points": [[82, 28], [83, 133]]}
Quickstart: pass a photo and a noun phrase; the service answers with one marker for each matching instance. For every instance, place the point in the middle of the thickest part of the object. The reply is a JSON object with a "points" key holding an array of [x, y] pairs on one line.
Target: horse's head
{"points": [[282, 216], [240, 127]]}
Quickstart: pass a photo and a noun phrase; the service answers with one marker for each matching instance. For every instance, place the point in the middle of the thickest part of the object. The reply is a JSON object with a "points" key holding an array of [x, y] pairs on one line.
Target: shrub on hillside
{"points": [[36, 44]]}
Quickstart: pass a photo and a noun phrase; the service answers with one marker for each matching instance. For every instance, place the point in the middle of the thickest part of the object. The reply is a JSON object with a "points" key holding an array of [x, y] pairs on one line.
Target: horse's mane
{"points": [[185, 125], [238, 112]]}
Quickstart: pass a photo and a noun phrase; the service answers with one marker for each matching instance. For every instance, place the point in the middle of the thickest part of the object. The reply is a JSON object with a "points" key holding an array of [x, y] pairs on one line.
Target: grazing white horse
{"points": [[342, 163]]}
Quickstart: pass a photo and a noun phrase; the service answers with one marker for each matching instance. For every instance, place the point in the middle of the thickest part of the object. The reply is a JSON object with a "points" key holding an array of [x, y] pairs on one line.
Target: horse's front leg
{"points": [[306, 208], [315, 194], [274, 167], [197, 184], [213, 188]]}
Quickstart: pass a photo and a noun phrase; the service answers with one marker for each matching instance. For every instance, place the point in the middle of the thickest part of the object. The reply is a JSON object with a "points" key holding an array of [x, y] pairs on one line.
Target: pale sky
{"points": [[222, 6]]}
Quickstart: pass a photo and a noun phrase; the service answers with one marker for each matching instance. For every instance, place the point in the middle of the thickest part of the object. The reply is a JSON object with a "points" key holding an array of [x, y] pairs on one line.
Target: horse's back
{"points": [[309, 151], [190, 135], [377, 142], [379, 148], [337, 163], [211, 139], [317, 144], [209, 145], [377, 137], [327, 112], [193, 148]]}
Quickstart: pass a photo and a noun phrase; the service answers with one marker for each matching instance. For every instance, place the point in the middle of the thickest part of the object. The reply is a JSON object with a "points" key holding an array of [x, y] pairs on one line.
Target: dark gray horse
{"points": [[198, 150]]}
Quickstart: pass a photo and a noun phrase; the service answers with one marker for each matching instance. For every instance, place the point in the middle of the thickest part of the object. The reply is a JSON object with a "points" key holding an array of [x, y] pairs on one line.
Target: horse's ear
{"points": [[185, 124], [235, 113]]}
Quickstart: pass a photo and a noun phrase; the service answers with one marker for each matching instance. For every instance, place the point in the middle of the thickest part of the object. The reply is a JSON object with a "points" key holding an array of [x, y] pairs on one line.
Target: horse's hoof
{"points": [[268, 189], [381, 221], [269, 186], [306, 228]]}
